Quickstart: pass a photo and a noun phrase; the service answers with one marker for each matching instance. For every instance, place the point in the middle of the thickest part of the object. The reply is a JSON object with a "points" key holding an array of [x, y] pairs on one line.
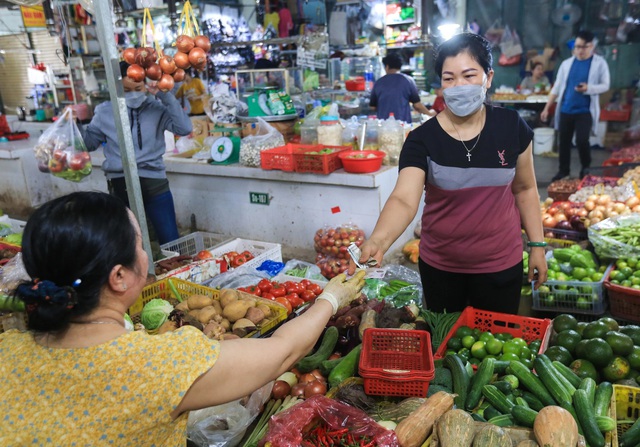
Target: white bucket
{"points": [[543, 139]]}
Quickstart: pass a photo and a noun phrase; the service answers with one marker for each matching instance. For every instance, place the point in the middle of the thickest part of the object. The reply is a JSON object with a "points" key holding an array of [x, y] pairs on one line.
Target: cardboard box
{"points": [[200, 127], [547, 58]]}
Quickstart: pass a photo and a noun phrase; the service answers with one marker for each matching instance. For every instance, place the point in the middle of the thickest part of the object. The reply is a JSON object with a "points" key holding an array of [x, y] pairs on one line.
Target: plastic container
{"points": [[309, 131], [361, 162], [330, 131], [627, 407], [282, 157], [396, 362], [526, 327], [391, 139], [624, 302], [351, 133], [371, 134], [192, 243], [320, 160], [262, 251]]}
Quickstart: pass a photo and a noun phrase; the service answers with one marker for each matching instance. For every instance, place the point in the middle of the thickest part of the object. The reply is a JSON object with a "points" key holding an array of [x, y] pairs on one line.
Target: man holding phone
{"points": [[579, 82]]}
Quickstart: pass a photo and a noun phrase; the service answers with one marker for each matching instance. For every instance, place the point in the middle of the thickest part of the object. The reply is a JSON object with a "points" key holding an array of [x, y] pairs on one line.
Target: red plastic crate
{"points": [[304, 161], [624, 302], [616, 115], [396, 362], [526, 327], [281, 157]]}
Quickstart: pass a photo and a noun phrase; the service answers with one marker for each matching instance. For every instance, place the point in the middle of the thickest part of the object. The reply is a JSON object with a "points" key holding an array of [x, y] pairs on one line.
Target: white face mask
{"points": [[134, 99], [463, 100]]}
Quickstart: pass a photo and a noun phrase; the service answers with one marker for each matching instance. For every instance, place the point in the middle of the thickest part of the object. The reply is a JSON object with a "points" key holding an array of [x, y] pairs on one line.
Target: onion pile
{"points": [[580, 216], [143, 62]]}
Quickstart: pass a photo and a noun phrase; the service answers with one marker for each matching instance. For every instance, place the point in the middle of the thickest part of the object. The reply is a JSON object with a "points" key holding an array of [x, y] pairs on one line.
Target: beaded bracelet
{"points": [[536, 244]]}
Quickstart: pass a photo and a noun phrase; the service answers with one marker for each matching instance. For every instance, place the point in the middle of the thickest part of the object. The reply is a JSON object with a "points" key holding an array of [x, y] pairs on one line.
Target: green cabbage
{"points": [[155, 313]]}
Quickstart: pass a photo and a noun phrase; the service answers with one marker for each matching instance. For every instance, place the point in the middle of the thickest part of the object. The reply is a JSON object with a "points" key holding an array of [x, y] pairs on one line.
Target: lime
{"points": [[510, 347], [563, 322], [596, 277], [621, 263], [479, 350], [584, 303], [494, 346], [617, 275], [525, 353], [527, 362], [468, 341], [579, 273], [626, 271], [520, 342], [463, 331], [454, 343], [464, 354], [632, 262], [635, 280], [636, 273], [626, 283], [486, 336], [476, 332], [591, 271], [509, 356]]}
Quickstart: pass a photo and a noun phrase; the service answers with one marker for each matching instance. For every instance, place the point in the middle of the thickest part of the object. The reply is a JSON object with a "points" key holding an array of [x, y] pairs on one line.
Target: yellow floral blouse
{"points": [[119, 393]]}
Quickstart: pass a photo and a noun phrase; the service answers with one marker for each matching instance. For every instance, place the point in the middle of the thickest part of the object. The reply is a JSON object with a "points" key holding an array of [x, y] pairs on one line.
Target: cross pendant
{"points": [[469, 156]]}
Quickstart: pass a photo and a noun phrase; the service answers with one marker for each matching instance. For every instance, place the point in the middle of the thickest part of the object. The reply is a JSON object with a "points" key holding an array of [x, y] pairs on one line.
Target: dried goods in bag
{"points": [[61, 150]]}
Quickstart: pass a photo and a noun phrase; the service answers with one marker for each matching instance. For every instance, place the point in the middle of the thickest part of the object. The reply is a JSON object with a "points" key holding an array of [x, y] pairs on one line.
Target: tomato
{"points": [[293, 287], [315, 288], [247, 254], [268, 296], [278, 290], [265, 285], [60, 155], [231, 255], [56, 165], [294, 299], [242, 289], [285, 302], [305, 283], [254, 290], [307, 295], [238, 261], [204, 254], [78, 161]]}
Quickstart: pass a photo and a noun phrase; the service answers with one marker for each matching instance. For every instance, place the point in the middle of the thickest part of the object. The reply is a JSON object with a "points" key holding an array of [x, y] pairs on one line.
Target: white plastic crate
{"points": [[193, 243], [262, 251]]}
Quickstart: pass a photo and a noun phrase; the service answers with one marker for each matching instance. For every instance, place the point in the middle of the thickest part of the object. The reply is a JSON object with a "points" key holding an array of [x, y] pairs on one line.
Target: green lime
{"points": [[579, 273], [486, 336], [626, 271], [479, 350], [520, 342], [510, 347], [635, 280], [527, 362], [621, 263], [454, 343], [494, 346], [468, 341], [636, 273], [463, 331], [525, 353], [509, 356], [596, 277]]}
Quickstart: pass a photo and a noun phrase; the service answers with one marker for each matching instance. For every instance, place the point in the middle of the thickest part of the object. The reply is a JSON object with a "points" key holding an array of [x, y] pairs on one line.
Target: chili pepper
{"points": [[337, 432]]}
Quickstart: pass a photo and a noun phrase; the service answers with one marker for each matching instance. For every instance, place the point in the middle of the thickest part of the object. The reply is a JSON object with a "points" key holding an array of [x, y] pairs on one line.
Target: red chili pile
{"points": [[322, 436]]}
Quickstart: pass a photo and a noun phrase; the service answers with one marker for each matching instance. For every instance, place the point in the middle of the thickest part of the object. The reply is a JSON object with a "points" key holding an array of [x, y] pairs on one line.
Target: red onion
{"points": [[203, 42], [184, 43], [182, 60], [129, 55], [136, 73], [168, 65]]}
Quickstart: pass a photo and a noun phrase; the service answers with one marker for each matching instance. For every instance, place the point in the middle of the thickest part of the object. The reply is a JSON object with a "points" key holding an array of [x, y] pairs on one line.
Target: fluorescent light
{"points": [[448, 30]]}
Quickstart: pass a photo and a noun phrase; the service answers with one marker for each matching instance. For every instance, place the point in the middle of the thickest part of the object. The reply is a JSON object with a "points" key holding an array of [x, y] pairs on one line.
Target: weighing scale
{"points": [[225, 150]]}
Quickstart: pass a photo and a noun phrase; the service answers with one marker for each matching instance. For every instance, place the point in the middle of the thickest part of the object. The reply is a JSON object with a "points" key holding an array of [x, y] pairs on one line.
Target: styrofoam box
{"points": [[193, 243], [197, 272], [262, 251]]}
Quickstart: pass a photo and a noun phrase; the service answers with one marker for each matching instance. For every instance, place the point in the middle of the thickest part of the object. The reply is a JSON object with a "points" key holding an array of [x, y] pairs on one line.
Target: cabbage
{"points": [[155, 313]]}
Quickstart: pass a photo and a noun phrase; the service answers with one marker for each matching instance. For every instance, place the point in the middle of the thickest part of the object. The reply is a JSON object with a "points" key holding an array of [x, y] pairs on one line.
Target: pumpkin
{"points": [[413, 430], [555, 427], [456, 428], [412, 250], [528, 443], [492, 436]]}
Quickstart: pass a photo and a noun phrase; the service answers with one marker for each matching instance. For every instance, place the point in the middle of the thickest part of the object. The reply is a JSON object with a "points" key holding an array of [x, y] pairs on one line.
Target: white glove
{"points": [[340, 292]]}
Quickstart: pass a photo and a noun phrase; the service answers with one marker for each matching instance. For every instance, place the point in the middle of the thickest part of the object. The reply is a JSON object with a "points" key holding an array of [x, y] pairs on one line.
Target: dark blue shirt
{"points": [[392, 93], [575, 102]]}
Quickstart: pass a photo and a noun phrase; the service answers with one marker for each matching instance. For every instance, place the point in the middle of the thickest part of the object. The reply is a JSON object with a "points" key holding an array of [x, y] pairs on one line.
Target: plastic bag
{"points": [[334, 241], [225, 425], [285, 428], [607, 247], [188, 144], [510, 44], [272, 268], [331, 266], [302, 269], [494, 33], [266, 137], [233, 279], [11, 275], [61, 150]]}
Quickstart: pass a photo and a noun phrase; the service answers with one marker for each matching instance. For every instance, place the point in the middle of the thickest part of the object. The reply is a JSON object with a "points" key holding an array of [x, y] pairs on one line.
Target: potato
{"points": [[228, 296], [199, 301], [217, 305], [266, 310], [167, 326], [236, 310], [206, 314], [226, 324], [255, 315], [194, 314], [243, 326], [183, 306]]}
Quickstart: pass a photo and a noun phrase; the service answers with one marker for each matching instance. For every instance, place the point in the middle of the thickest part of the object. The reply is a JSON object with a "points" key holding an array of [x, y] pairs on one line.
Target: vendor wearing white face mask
{"points": [[149, 118], [474, 162]]}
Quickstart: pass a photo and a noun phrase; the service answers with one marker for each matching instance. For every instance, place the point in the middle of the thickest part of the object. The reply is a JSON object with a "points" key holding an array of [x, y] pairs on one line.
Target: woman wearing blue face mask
{"points": [[474, 162], [149, 117]]}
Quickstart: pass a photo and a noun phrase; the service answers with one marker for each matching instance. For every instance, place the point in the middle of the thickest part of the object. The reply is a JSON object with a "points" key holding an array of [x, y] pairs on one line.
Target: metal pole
{"points": [[104, 24]]}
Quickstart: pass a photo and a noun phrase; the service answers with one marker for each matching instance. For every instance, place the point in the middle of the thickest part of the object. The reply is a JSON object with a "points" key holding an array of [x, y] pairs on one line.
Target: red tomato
{"points": [[294, 299], [305, 283], [247, 254], [307, 295], [238, 261], [265, 285], [278, 290], [268, 296], [315, 288], [282, 300], [254, 290], [242, 289], [56, 165], [78, 161]]}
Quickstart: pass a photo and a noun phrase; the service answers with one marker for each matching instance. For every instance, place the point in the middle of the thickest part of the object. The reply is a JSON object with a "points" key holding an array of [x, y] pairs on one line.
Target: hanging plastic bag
{"points": [[266, 137], [494, 33], [510, 47], [61, 150], [225, 425]]}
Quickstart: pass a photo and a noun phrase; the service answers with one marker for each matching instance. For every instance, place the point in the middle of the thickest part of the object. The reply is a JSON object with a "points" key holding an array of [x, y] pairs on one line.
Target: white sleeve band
{"points": [[332, 299]]}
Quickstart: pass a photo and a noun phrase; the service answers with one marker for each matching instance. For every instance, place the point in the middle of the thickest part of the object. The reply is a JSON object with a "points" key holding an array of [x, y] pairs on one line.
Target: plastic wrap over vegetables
{"points": [[616, 237]]}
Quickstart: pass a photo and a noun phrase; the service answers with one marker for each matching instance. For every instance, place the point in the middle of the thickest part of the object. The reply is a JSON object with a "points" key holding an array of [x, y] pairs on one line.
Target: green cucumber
{"points": [[497, 399], [589, 385], [522, 402], [531, 382], [631, 437], [476, 417], [504, 420], [567, 373], [481, 378], [524, 416], [587, 418], [327, 345], [532, 400], [346, 368], [602, 400], [543, 367], [460, 378], [503, 386], [326, 366], [605, 423], [490, 412], [500, 366]]}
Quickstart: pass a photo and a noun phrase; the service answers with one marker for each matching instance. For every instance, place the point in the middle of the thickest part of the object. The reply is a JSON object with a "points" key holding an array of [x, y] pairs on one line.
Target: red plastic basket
{"points": [[396, 362], [616, 115], [310, 160], [624, 302], [282, 157], [526, 327]]}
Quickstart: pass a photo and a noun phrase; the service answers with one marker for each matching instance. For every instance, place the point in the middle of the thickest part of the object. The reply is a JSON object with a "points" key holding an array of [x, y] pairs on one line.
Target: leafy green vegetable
{"points": [[128, 324], [13, 238], [155, 313], [11, 304]]}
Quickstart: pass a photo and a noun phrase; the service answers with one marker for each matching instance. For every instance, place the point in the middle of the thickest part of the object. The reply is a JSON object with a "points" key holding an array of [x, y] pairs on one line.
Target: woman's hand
{"points": [[537, 263], [369, 249], [340, 291], [152, 87]]}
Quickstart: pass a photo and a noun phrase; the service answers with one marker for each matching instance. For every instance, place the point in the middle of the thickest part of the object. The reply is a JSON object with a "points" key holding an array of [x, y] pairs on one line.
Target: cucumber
{"points": [[524, 416], [326, 366], [481, 378], [566, 383], [497, 399], [532, 400], [523, 403], [567, 373], [500, 366], [602, 400], [531, 382], [504, 386], [504, 420], [543, 366], [587, 418], [346, 368], [460, 377], [589, 385], [631, 437], [476, 417], [490, 412], [605, 423], [327, 345]]}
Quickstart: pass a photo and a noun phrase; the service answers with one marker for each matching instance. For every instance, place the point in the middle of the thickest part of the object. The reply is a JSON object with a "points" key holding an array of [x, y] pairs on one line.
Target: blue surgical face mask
{"points": [[463, 100], [135, 99]]}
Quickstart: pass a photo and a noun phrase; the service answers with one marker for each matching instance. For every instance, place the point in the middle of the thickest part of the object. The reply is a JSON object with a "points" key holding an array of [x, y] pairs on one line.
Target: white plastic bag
{"points": [[266, 137], [510, 43]]}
